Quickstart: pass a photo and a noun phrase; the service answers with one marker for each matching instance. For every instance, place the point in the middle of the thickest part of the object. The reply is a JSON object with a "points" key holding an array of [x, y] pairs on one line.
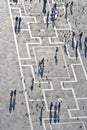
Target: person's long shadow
{"points": [[19, 28], [41, 116], [14, 103], [80, 45], [55, 117], [73, 44], [50, 117], [58, 117], [76, 54], [10, 105]]}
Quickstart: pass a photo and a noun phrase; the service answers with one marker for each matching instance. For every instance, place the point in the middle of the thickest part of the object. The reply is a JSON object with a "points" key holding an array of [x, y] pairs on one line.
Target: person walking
{"points": [[71, 8], [76, 50], [80, 40], [51, 105], [30, 1], [65, 48], [73, 36], [56, 58], [47, 19], [15, 1], [19, 23], [44, 6], [14, 99], [53, 19], [16, 24], [32, 84], [41, 116], [10, 105], [55, 112], [85, 47], [66, 8]]}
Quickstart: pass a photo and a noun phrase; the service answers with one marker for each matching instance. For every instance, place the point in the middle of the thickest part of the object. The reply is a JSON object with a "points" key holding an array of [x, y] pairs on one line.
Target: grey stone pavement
{"points": [[19, 57]]}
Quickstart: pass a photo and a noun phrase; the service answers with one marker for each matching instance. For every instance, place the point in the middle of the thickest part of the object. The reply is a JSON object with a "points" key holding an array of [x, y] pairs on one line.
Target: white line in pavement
{"points": [[37, 100], [83, 66], [35, 58], [25, 30], [28, 51], [69, 25], [39, 38], [33, 14], [29, 31], [27, 17], [42, 82], [16, 8], [24, 6], [26, 97], [56, 33], [33, 43], [43, 121], [65, 123], [26, 65], [84, 98], [80, 117], [74, 72], [69, 110], [24, 58], [32, 71], [70, 56], [35, 20], [61, 82], [56, 43], [65, 62], [64, 29], [43, 91], [84, 126], [20, 12], [59, 8], [51, 127], [49, 38]]}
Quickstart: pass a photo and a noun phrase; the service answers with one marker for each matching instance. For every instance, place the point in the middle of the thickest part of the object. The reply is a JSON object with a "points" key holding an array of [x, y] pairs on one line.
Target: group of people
{"points": [[69, 5], [56, 107], [79, 44], [52, 16], [56, 110], [17, 24]]}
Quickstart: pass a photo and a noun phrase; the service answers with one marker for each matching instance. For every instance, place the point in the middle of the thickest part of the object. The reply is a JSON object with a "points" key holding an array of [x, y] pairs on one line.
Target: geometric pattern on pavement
{"points": [[62, 81]]}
